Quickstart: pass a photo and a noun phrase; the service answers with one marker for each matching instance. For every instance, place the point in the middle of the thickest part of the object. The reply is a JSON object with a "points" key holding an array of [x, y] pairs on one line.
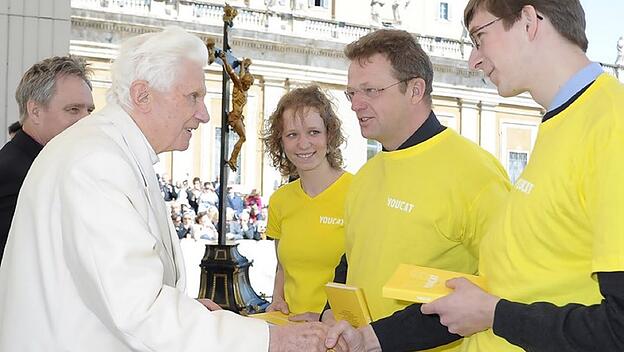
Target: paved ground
{"points": [[261, 273]]}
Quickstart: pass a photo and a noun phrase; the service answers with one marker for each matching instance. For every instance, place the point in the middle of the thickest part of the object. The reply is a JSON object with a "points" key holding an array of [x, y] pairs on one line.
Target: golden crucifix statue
{"points": [[241, 84]]}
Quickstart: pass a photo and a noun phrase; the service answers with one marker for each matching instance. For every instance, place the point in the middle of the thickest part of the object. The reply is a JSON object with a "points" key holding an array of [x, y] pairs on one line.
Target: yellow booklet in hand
{"points": [[275, 317], [421, 284], [348, 303]]}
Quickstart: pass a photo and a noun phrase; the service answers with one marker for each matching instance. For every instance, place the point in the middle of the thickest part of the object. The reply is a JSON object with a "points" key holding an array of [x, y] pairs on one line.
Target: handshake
{"points": [[308, 334]]}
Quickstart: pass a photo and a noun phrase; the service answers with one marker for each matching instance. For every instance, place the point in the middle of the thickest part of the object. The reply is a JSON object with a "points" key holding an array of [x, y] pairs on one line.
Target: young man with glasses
{"points": [[554, 260], [428, 197]]}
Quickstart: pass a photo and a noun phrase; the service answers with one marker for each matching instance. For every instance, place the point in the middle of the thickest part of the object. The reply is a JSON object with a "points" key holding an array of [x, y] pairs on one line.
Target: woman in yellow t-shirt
{"points": [[303, 138]]}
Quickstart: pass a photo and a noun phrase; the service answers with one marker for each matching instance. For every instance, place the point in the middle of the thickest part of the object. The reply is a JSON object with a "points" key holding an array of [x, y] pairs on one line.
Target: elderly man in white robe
{"points": [[93, 262]]}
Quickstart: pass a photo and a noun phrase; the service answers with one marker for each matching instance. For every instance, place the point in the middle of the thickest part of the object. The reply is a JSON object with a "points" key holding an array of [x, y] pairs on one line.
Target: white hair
{"points": [[155, 58]]}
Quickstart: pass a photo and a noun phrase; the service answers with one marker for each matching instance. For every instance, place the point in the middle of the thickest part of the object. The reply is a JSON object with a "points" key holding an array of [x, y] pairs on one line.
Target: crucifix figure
{"points": [[375, 10], [619, 60], [241, 82], [225, 272]]}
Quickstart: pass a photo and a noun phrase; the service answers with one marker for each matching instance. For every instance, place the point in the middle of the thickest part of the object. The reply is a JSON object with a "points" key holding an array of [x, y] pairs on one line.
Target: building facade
{"points": [[297, 42], [30, 30]]}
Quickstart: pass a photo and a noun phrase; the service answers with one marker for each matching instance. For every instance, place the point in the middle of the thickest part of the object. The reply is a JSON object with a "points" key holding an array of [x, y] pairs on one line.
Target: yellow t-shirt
{"points": [[564, 219], [425, 205], [311, 234]]}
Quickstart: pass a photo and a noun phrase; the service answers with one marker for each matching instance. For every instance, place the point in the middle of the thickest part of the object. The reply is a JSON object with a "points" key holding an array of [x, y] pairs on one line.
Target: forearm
{"points": [[278, 285], [545, 327], [231, 73], [227, 66], [409, 329]]}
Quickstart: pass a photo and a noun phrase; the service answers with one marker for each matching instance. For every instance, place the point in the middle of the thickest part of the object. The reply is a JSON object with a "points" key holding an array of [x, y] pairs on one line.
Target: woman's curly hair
{"points": [[299, 99]]}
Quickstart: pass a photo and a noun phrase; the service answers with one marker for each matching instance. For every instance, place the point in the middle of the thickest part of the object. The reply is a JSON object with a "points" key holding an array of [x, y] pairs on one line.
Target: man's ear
{"points": [[529, 17], [416, 89], [33, 111], [140, 95]]}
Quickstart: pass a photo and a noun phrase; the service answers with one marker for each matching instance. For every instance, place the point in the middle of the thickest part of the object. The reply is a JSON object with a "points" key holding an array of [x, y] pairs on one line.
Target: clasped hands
{"points": [[308, 335], [465, 311]]}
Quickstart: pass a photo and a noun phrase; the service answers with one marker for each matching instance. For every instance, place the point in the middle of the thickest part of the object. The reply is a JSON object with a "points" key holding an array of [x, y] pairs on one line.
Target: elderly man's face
{"points": [[178, 112]]}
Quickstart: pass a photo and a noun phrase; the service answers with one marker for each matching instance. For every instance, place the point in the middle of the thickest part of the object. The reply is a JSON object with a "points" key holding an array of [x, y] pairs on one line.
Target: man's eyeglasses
{"points": [[371, 92], [474, 34]]}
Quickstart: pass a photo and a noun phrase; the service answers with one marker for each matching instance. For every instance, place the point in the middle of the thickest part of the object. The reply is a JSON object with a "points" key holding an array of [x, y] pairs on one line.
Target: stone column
{"points": [[469, 112], [489, 128], [31, 30], [354, 152], [273, 90]]}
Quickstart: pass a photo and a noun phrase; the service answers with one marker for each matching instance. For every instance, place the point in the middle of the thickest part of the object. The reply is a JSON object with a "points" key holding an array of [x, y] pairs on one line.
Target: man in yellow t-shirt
{"points": [[428, 197], [554, 259]]}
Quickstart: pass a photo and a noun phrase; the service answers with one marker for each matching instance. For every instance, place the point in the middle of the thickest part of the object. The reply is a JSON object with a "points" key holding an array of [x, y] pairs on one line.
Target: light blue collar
{"points": [[581, 79]]}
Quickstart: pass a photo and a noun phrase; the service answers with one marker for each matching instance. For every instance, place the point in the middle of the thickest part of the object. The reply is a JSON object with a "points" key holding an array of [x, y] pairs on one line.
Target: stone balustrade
{"points": [[284, 23], [263, 21]]}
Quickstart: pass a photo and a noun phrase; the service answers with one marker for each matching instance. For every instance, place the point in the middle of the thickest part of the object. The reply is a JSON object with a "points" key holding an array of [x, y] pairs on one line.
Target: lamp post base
{"points": [[225, 280]]}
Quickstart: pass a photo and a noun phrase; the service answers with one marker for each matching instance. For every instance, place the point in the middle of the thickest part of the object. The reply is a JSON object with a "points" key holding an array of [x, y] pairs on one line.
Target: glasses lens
{"points": [[349, 95], [373, 92], [473, 40]]}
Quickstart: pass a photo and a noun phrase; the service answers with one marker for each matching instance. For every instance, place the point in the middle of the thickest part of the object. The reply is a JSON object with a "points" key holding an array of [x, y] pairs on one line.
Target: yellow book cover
{"points": [[348, 303], [421, 284], [275, 318]]}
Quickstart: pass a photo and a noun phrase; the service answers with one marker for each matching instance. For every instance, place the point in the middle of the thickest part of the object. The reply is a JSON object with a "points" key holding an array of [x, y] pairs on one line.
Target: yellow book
{"points": [[275, 318], [348, 303], [421, 284]]}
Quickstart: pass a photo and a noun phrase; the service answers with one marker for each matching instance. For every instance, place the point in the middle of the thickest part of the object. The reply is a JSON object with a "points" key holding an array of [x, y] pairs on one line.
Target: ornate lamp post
{"points": [[224, 271]]}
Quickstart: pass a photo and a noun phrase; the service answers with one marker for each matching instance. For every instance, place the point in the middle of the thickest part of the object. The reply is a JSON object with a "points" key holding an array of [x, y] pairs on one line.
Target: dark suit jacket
{"points": [[15, 159]]}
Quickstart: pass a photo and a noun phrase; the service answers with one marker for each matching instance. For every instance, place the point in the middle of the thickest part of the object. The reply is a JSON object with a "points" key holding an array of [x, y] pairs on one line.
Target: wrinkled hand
{"points": [[467, 310], [300, 337], [352, 339], [209, 304], [279, 305], [308, 316]]}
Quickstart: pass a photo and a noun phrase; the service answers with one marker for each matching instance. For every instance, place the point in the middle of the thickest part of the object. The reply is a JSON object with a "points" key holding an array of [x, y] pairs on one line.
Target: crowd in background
{"points": [[194, 210]]}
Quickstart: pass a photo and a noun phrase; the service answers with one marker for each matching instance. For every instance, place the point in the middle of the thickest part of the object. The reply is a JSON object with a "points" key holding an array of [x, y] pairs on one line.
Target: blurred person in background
{"points": [[194, 193], [253, 198], [182, 227], [204, 229], [234, 200], [207, 198]]}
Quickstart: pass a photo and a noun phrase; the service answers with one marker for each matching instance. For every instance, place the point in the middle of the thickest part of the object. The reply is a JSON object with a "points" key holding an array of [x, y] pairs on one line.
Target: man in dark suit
{"points": [[52, 95]]}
